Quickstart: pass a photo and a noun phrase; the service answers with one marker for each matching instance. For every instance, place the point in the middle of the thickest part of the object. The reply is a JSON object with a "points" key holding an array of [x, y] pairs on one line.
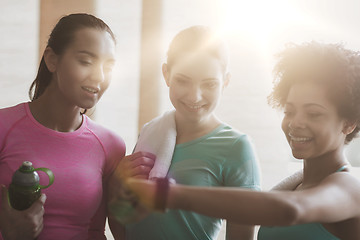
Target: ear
{"points": [[166, 74], [226, 80], [349, 127], [50, 59]]}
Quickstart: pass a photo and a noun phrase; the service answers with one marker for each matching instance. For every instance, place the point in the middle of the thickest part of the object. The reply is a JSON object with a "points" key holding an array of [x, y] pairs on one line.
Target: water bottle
{"points": [[25, 189]]}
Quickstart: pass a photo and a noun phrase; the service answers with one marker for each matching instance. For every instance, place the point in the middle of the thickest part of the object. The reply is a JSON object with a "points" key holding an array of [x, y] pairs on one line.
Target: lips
{"points": [[299, 143], [300, 139], [193, 107], [92, 90]]}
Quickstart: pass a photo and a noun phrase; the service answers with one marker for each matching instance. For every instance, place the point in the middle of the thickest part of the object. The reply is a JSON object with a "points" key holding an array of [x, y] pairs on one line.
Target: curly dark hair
{"points": [[333, 66]]}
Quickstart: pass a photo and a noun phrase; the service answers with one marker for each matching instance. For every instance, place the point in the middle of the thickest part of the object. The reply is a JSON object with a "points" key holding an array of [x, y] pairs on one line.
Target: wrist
{"points": [[177, 197], [172, 196]]}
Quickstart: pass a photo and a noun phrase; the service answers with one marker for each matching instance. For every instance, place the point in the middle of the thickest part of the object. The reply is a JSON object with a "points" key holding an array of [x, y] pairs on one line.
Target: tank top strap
{"points": [[342, 168]]}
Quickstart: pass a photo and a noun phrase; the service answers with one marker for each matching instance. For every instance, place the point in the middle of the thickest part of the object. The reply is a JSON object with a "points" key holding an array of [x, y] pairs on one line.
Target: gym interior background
{"points": [[254, 30]]}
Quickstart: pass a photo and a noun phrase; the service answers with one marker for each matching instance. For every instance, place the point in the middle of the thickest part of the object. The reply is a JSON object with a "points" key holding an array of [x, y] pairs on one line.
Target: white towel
{"points": [[159, 137]]}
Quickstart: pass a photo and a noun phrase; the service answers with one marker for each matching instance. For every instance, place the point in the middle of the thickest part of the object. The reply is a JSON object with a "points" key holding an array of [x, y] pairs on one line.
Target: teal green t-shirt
{"points": [[224, 157]]}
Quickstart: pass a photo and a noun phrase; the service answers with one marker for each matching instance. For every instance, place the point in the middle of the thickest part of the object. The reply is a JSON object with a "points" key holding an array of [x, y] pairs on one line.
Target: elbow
{"points": [[292, 212]]}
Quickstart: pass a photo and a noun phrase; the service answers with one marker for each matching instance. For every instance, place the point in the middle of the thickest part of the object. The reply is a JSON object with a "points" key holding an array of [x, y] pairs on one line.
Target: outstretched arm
{"points": [[264, 208], [274, 208]]}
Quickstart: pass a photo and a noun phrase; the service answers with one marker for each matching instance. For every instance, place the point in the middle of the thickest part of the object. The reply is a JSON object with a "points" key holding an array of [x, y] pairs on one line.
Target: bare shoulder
{"points": [[335, 199], [346, 181]]}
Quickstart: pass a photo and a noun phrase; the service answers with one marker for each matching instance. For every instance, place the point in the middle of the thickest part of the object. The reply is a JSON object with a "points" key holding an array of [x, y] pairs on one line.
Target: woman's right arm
{"points": [[277, 208], [23, 225]]}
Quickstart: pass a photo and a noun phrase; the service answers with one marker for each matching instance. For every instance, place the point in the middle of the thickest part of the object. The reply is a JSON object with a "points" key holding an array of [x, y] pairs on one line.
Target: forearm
{"points": [[236, 205]]}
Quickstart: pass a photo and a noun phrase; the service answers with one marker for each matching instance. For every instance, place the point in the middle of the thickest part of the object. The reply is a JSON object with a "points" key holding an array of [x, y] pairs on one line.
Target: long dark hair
{"points": [[60, 37]]}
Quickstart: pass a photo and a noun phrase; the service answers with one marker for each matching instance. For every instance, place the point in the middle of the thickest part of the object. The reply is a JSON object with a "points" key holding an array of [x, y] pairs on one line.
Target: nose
{"points": [[194, 94], [296, 122], [98, 74]]}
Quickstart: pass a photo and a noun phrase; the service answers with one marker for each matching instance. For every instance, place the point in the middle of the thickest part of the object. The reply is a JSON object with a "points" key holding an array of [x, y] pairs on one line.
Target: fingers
{"points": [[144, 177], [141, 170], [35, 215], [142, 154], [38, 206], [42, 198], [39, 227], [29, 221], [145, 161], [139, 163]]}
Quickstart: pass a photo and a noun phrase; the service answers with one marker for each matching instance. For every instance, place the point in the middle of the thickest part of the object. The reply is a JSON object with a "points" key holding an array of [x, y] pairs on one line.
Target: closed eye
{"points": [[85, 63], [288, 113], [314, 114], [211, 85], [181, 80]]}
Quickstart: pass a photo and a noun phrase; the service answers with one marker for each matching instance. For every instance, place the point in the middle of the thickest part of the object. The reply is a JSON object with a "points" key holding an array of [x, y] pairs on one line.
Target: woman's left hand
{"points": [[122, 202], [137, 165]]}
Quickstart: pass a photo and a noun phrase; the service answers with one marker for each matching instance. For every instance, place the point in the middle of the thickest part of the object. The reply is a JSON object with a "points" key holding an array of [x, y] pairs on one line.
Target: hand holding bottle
{"points": [[26, 224]]}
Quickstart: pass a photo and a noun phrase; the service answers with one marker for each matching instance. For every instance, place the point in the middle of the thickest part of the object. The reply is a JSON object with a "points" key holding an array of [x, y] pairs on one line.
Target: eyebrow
{"points": [[204, 80], [210, 79], [182, 75], [93, 55], [87, 53], [307, 105]]}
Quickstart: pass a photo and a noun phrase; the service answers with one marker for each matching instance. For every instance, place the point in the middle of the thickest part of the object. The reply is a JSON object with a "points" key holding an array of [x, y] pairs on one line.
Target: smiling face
{"points": [[83, 71], [311, 123], [195, 85]]}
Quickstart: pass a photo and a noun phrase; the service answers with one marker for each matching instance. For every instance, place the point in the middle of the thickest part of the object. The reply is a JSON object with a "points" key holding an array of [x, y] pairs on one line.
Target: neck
{"points": [[55, 114], [190, 130], [317, 169]]}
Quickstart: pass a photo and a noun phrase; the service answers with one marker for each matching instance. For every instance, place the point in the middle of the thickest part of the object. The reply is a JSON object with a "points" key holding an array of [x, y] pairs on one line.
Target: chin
{"points": [[298, 155], [87, 105]]}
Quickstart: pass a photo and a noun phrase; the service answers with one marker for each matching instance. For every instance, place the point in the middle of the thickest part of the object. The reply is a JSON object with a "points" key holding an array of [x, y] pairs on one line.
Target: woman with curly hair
{"points": [[318, 88]]}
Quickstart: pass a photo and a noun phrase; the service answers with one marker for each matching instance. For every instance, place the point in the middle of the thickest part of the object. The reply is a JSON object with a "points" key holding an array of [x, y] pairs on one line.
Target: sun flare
{"points": [[258, 20]]}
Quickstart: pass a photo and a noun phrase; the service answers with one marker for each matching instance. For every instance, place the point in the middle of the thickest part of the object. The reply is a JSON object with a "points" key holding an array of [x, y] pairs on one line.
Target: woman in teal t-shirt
{"points": [[208, 152], [318, 87]]}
